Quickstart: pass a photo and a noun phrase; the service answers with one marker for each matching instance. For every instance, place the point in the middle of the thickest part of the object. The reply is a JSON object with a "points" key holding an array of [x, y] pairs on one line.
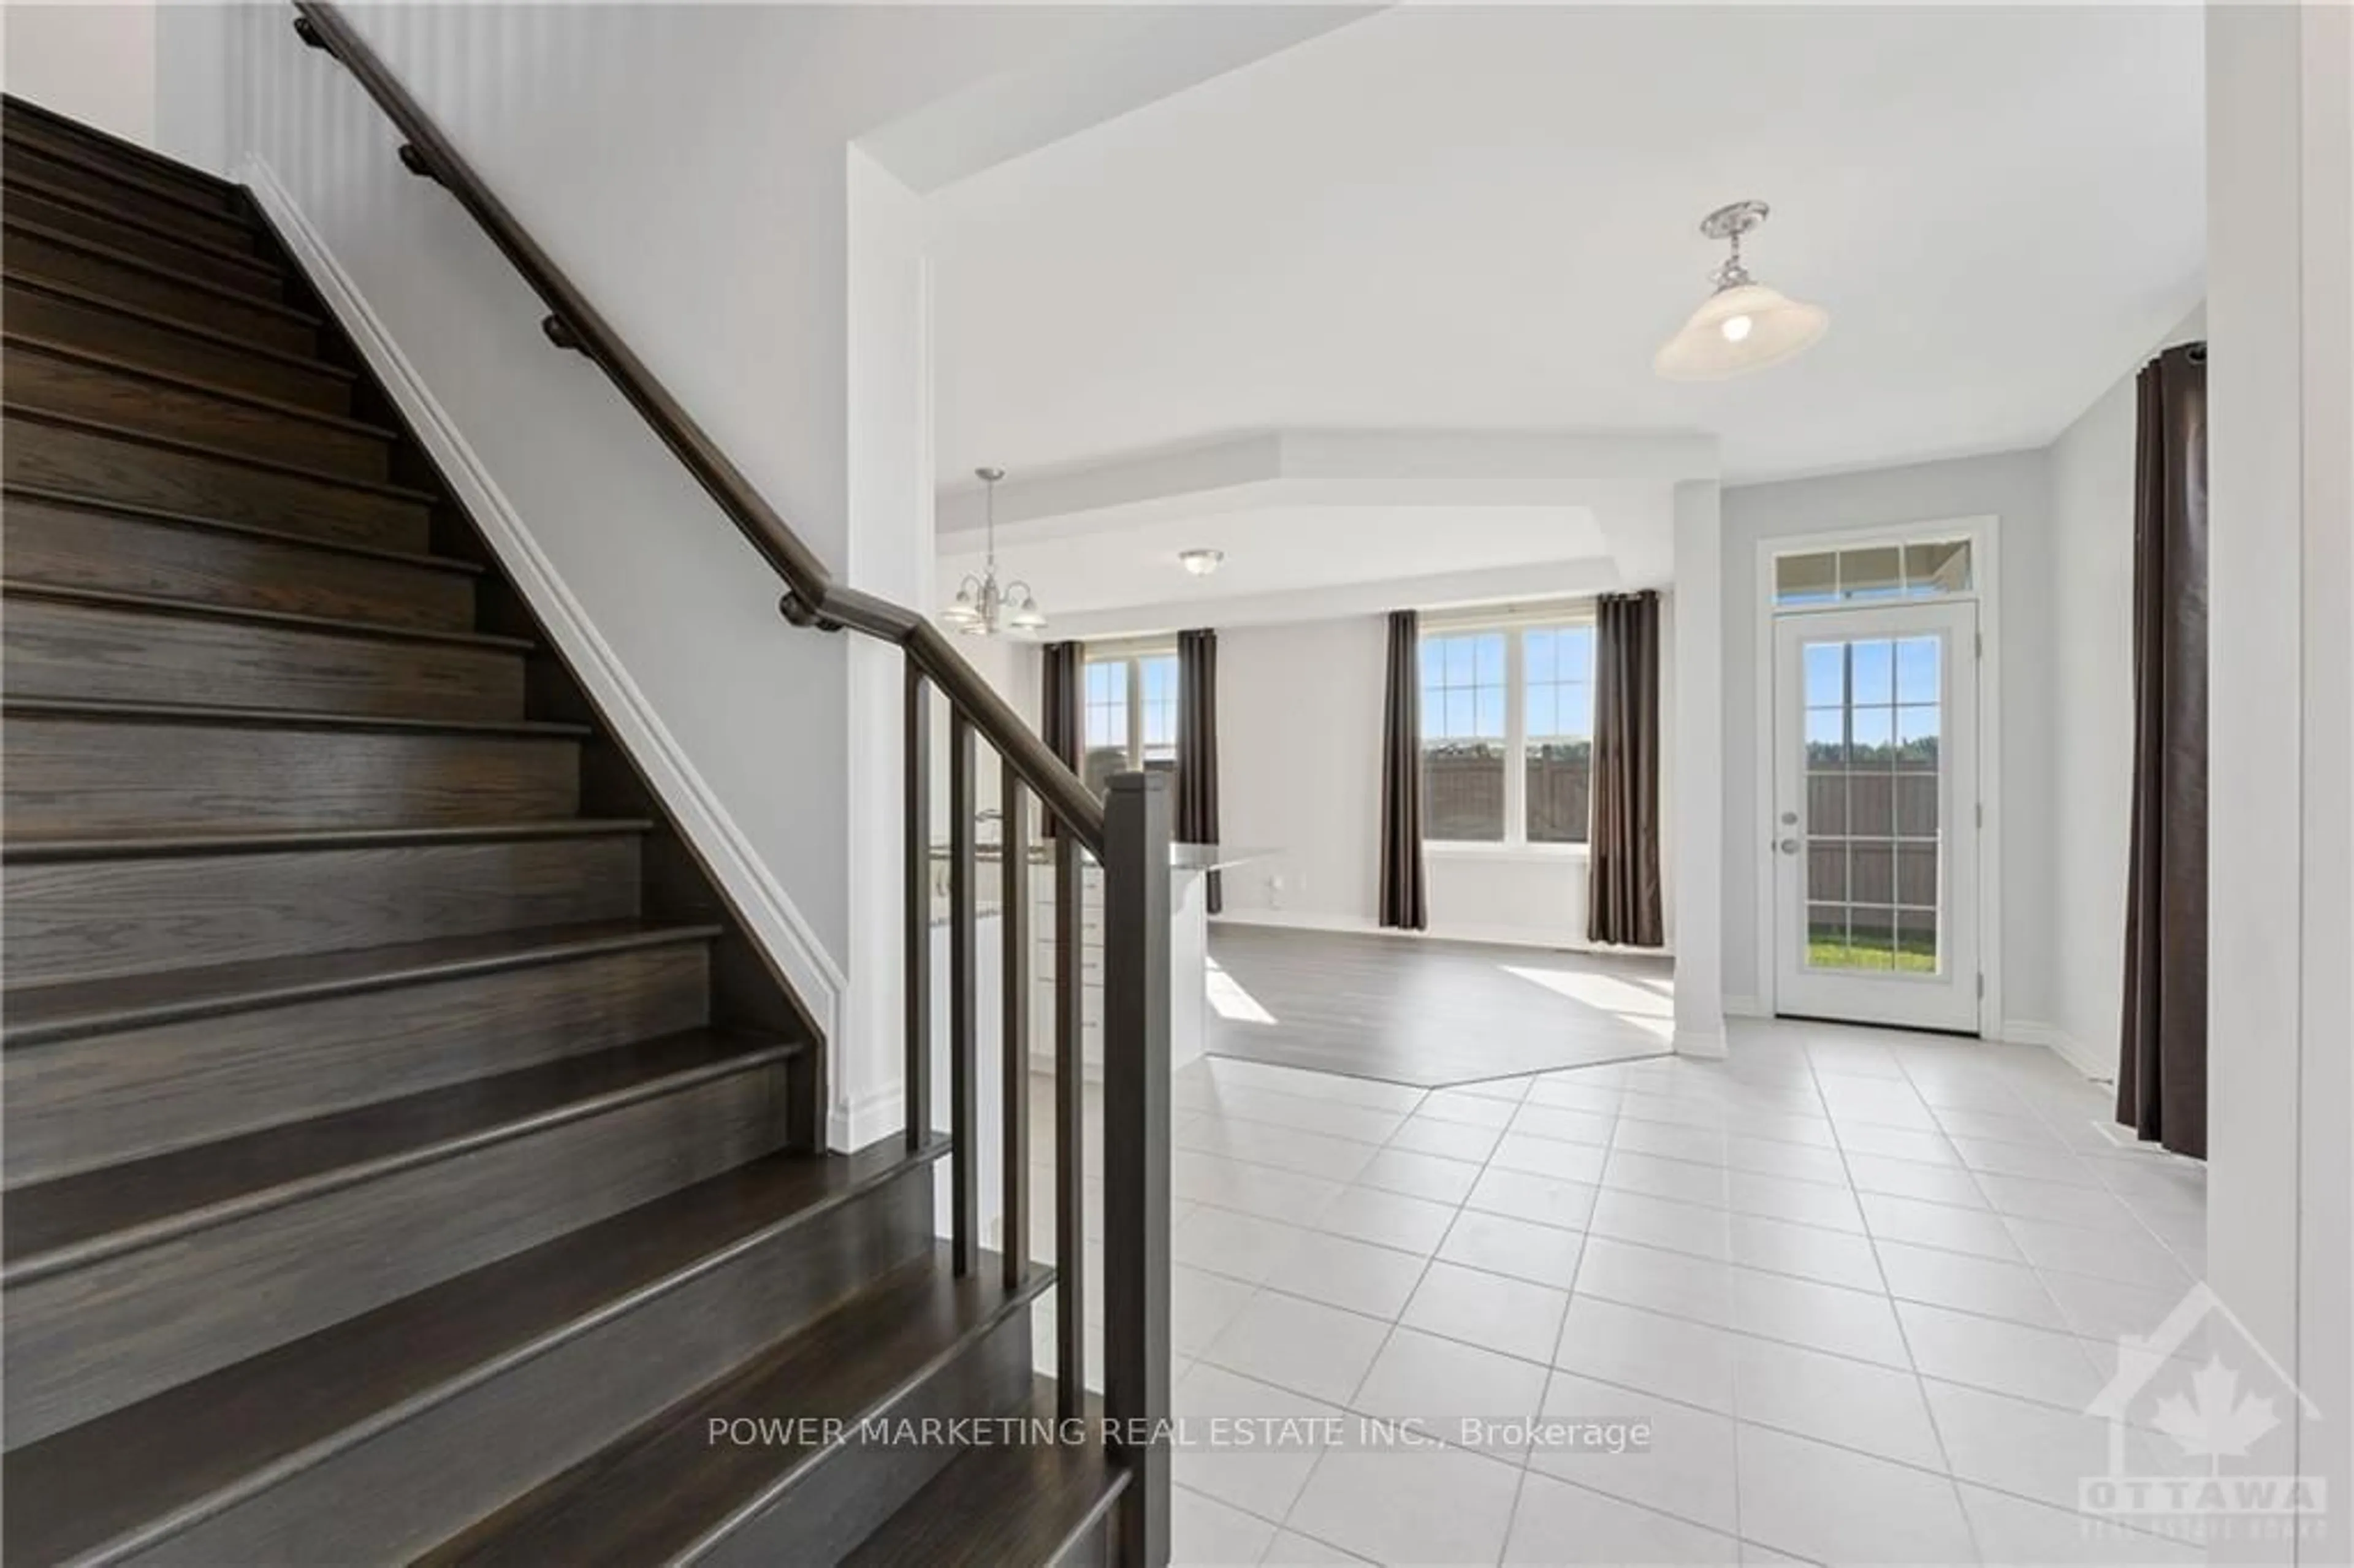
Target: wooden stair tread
{"points": [[109, 172], [36, 184], [666, 1487], [997, 1505], [73, 1220], [227, 293], [32, 342], [11, 278], [132, 509], [303, 841], [334, 626], [107, 710], [21, 413], [43, 1015], [24, 114], [189, 1448]]}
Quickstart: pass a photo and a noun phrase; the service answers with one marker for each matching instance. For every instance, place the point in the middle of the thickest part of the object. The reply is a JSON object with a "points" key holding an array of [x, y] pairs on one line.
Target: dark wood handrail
{"points": [[812, 597]]}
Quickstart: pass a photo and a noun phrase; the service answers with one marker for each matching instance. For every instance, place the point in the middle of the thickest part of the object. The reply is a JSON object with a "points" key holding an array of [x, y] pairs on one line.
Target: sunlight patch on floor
{"points": [[1605, 993], [1231, 1002]]}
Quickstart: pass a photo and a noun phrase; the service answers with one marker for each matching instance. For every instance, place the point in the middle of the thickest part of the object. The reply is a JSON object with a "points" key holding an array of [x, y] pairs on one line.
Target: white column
{"points": [[890, 554], [1697, 820], [2281, 809]]}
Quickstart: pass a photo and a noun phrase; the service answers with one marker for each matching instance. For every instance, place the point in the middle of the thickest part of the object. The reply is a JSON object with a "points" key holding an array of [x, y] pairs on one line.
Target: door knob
{"points": [[1788, 846]]}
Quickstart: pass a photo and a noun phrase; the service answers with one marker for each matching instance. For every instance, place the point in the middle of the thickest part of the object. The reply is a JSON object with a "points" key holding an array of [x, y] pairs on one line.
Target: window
{"points": [[1507, 734], [1872, 572], [1131, 702]]}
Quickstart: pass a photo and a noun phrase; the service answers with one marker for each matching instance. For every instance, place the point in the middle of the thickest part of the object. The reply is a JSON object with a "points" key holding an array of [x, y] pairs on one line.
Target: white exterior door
{"points": [[1876, 829]]}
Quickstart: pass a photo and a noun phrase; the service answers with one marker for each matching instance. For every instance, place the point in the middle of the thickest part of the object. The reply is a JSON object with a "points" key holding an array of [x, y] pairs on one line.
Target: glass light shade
{"points": [[1026, 616], [1744, 328], [963, 612]]}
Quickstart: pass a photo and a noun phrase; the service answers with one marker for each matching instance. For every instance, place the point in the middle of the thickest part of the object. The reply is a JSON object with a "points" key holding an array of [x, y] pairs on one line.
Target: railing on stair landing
{"points": [[1128, 833]]}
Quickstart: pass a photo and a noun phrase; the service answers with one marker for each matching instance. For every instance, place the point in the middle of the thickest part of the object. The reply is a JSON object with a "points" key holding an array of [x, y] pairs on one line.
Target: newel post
{"points": [[1136, 823]]}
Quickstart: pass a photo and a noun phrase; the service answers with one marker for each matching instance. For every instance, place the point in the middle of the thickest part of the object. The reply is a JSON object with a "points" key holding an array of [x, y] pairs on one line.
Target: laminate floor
{"points": [[1863, 1290], [1428, 1013]]}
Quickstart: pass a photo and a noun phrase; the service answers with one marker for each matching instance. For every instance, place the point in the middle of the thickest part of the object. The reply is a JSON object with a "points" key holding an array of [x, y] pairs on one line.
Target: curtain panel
{"points": [[1403, 902], [2162, 1058], [1622, 890], [1197, 746]]}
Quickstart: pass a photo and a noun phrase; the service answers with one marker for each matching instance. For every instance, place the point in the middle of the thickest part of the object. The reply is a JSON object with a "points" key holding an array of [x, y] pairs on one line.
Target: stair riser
{"points": [[36, 256], [175, 1312], [76, 1105], [69, 546], [142, 342], [406, 1491], [216, 222], [64, 386], [106, 467], [72, 778], [840, 1499], [86, 920], [59, 649], [196, 260], [31, 133]]}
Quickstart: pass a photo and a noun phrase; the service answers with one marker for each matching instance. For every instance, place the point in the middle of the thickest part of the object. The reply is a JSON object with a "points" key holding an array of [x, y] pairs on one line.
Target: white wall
{"points": [[2280, 1031], [691, 169], [93, 62], [1300, 745], [2013, 486], [2090, 683]]}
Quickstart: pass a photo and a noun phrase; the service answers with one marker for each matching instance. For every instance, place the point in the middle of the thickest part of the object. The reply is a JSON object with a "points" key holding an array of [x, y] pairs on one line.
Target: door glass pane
{"points": [[1875, 673], [1874, 872], [1826, 737], [1826, 806]]}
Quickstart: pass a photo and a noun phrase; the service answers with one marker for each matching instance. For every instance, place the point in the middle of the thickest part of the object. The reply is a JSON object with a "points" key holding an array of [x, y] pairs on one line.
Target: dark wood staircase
{"points": [[407, 1155]]}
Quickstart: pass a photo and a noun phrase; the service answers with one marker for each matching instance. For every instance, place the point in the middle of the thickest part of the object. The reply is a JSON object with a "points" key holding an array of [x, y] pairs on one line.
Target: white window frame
{"points": [[1133, 655], [1512, 622], [1984, 533]]}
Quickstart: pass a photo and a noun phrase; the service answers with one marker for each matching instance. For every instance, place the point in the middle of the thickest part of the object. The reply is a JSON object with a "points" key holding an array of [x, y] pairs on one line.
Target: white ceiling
{"points": [[1446, 219]]}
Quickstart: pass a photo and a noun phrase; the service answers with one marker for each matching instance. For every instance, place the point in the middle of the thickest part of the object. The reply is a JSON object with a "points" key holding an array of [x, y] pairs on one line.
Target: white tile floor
{"points": [[1861, 1285]]}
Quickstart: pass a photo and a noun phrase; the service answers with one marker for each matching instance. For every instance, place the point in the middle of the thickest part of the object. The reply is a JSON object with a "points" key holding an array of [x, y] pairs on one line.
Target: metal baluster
{"points": [[964, 924], [1070, 1130], [918, 913], [1013, 926]]}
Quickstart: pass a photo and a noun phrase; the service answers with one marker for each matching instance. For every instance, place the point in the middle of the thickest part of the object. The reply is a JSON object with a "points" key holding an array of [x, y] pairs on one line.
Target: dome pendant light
{"points": [[1744, 325], [982, 609]]}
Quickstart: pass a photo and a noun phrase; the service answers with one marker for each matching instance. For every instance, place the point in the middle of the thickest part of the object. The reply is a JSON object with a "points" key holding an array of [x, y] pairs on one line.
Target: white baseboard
{"points": [[1492, 936], [2060, 1043], [768, 914], [859, 1123], [1746, 1007]]}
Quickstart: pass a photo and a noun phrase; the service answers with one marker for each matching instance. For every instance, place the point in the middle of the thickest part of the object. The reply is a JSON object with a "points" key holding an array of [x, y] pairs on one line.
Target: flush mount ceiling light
{"points": [[1744, 325], [1201, 562], [982, 609]]}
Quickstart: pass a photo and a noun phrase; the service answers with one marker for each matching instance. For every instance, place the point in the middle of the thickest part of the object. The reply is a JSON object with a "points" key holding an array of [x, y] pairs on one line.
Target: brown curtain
{"points": [[1622, 878], [1061, 713], [1197, 746], [1402, 901], [2162, 1066]]}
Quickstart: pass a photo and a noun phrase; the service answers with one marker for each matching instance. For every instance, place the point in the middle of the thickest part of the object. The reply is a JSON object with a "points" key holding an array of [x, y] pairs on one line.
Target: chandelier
{"points": [[981, 607]]}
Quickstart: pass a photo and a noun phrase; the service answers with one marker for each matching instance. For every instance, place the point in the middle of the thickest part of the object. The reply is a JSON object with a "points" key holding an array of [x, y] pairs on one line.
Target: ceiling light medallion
{"points": [[982, 609], [1744, 325], [1201, 562]]}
